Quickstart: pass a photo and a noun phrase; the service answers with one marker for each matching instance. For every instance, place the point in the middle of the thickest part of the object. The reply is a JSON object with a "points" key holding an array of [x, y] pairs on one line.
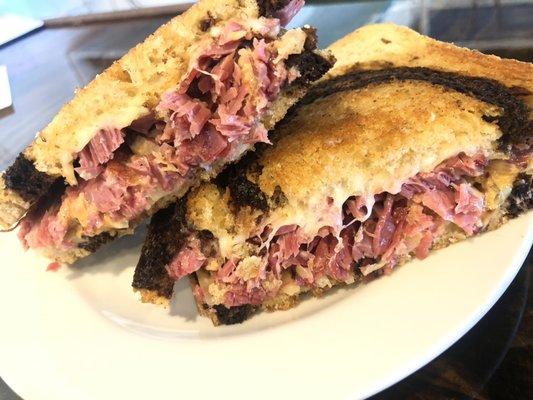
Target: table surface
{"points": [[492, 361]]}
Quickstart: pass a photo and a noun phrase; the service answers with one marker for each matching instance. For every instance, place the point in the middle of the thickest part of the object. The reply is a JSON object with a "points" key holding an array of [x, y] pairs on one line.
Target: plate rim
{"points": [[25, 391]]}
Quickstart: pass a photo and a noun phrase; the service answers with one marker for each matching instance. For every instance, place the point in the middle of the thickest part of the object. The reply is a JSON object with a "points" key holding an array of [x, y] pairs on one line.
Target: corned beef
{"points": [[377, 231]]}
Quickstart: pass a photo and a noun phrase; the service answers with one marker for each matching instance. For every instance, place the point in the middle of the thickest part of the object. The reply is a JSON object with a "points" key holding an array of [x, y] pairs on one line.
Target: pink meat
{"points": [[422, 250], [236, 113], [48, 232], [53, 267], [231, 126], [187, 120], [220, 74], [240, 294], [144, 124], [133, 205], [440, 201], [415, 231], [468, 200], [289, 11], [360, 207], [462, 165], [323, 253], [462, 207], [123, 193], [274, 259], [364, 246], [260, 56], [258, 134], [203, 148], [105, 194], [340, 265], [187, 261], [445, 192], [385, 229], [98, 152], [289, 243], [282, 230], [231, 114], [225, 273], [119, 192], [148, 166]]}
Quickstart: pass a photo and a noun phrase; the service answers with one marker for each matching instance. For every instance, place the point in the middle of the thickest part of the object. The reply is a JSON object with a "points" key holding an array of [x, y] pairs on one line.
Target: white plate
{"points": [[80, 333]]}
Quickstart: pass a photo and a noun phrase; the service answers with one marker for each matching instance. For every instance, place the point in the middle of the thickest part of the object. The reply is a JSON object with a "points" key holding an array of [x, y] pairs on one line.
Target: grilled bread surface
{"points": [[400, 46]]}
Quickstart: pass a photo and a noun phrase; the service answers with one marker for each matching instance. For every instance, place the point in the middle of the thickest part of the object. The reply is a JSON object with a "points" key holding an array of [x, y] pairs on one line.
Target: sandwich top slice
{"points": [[197, 94], [407, 145]]}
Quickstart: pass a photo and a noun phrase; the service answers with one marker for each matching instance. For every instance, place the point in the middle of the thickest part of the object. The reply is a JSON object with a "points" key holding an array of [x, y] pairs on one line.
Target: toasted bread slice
{"points": [[225, 69]]}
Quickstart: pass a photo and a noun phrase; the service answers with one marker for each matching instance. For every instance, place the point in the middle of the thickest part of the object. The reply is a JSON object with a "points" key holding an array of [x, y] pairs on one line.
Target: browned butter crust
{"points": [[513, 123]]}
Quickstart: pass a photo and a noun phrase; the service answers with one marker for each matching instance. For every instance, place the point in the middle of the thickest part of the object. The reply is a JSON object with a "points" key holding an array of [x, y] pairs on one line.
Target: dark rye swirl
{"points": [[194, 96], [400, 118]]}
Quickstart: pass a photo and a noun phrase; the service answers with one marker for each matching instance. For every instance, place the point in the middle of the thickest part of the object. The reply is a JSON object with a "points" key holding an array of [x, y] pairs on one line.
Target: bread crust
{"points": [[27, 181], [401, 46], [166, 234]]}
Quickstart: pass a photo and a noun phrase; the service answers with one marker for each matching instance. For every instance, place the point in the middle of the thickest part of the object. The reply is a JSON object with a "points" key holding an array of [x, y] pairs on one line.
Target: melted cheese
{"points": [[499, 183], [292, 42]]}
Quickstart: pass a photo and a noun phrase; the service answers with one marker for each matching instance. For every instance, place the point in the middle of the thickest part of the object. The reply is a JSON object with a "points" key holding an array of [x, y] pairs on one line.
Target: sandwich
{"points": [[194, 96], [406, 146]]}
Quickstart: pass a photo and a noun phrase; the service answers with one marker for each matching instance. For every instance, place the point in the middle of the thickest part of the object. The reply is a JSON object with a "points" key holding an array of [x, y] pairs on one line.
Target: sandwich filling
{"points": [[369, 234], [212, 117]]}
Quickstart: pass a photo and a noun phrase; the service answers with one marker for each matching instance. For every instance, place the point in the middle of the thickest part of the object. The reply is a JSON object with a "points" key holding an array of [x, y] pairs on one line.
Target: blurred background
{"points": [[61, 8], [48, 48]]}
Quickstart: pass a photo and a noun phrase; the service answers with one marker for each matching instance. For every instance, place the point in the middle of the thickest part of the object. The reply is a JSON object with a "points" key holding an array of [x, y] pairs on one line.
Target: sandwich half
{"points": [[407, 145], [195, 95]]}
